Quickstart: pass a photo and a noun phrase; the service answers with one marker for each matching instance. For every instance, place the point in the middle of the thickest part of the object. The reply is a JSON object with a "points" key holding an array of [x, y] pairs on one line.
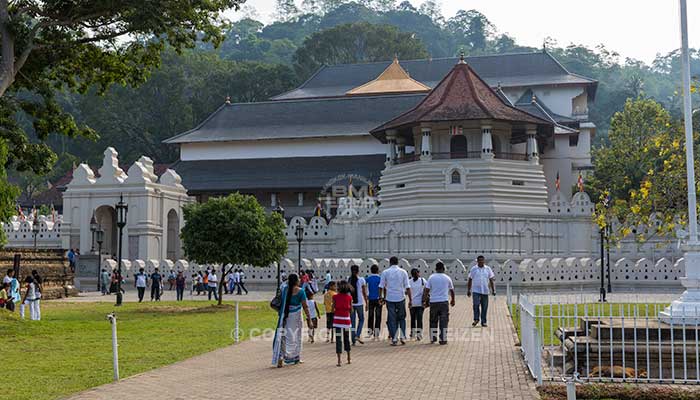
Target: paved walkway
{"points": [[478, 363]]}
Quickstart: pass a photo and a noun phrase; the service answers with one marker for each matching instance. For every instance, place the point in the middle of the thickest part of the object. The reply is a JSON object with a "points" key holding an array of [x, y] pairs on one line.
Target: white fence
{"points": [[606, 342]]}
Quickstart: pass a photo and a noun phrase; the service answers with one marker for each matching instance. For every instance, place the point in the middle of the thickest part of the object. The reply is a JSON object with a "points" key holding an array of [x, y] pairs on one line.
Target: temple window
{"points": [[456, 177]]}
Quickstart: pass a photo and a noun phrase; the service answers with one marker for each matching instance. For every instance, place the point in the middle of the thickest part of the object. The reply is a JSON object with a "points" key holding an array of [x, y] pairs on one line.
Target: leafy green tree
{"points": [[233, 230], [51, 46], [622, 166], [471, 29], [353, 43]]}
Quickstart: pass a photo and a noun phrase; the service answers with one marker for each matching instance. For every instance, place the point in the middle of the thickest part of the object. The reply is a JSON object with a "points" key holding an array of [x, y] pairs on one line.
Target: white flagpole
{"points": [[685, 309]]}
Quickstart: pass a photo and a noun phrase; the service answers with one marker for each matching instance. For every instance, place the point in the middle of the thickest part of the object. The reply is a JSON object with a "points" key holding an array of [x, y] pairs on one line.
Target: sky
{"points": [[638, 29]]}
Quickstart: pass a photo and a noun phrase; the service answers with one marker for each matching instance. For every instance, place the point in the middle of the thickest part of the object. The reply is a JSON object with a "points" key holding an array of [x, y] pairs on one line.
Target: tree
{"points": [[232, 230], [354, 43], [51, 46], [622, 166], [285, 10], [471, 29]]}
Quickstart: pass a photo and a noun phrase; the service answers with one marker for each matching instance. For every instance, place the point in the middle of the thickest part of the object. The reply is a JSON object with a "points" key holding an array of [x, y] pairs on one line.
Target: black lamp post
{"points": [[93, 228], [279, 210], [121, 209], [602, 264], [607, 241], [100, 236], [35, 230], [299, 232]]}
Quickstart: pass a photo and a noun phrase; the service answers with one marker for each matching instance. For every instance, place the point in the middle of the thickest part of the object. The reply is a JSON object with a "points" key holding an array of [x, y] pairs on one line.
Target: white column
{"points": [[687, 308], [426, 148], [390, 147], [273, 199], [486, 143], [401, 146], [532, 152]]}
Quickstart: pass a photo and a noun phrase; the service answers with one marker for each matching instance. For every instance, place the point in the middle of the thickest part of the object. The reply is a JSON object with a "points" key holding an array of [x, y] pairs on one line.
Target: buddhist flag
{"points": [[370, 189], [557, 183], [350, 187], [53, 213], [455, 130], [317, 212], [20, 212], [580, 182]]}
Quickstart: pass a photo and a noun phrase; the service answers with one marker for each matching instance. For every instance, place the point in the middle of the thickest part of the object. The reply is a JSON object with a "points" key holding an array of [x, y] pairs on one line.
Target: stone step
{"points": [[642, 332]]}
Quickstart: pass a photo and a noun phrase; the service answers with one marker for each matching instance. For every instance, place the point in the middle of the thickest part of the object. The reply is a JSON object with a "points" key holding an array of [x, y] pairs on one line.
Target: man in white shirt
{"points": [[237, 281], [438, 290], [394, 286], [416, 311], [481, 278], [141, 282], [213, 282]]}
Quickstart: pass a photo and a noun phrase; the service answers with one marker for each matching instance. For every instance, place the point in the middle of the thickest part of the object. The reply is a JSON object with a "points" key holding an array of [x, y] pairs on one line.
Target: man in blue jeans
{"points": [[394, 286], [481, 278]]}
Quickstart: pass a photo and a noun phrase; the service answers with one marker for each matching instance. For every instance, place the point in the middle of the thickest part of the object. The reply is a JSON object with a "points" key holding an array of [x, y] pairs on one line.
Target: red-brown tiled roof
{"points": [[461, 95]]}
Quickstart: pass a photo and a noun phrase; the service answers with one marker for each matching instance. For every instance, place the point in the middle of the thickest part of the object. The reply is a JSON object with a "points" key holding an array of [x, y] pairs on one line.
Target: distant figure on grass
{"points": [[140, 282], [13, 289], [374, 314], [327, 280], [213, 281], [328, 305], [5, 298], [481, 278], [287, 344], [230, 282], [313, 314], [198, 282], [342, 323], [156, 285], [395, 286], [241, 282], [39, 284], [417, 287], [30, 300], [358, 290], [179, 285], [438, 290], [104, 281]]}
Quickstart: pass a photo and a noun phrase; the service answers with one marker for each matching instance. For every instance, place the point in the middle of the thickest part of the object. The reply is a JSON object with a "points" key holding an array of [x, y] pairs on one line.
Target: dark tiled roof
{"points": [[461, 95], [344, 116], [223, 176], [510, 70]]}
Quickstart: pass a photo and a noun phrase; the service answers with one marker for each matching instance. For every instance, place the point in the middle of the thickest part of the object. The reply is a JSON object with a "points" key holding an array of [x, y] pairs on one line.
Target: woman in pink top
{"points": [[342, 324]]}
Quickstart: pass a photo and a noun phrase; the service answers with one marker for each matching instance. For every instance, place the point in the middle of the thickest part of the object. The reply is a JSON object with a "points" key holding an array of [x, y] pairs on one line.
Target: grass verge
{"points": [[70, 349]]}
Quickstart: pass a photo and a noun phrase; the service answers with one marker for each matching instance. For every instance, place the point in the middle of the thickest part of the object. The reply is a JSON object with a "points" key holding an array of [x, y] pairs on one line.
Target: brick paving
{"points": [[478, 363]]}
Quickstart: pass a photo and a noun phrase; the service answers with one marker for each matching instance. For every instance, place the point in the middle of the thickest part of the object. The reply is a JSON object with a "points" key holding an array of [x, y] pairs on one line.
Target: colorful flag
{"points": [[53, 213], [455, 130], [580, 182], [350, 187], [317, 212], [20, 213], [370, 189], [557, 183]]}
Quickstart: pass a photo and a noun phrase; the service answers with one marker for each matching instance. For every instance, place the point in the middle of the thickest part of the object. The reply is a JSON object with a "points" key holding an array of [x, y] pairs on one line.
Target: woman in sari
{"points": [[288, 337]]}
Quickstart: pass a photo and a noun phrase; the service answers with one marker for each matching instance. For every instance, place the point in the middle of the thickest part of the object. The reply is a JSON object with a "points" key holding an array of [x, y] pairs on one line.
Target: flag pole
{"points": [[685, 309]]}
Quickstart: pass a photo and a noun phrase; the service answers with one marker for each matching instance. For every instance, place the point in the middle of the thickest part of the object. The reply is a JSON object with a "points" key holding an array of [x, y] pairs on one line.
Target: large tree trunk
{"points": [[7, 64], [221, 284]]}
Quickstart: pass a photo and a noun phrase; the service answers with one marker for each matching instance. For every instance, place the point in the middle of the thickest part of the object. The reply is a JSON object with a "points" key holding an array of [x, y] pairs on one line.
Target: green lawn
{"points": [[71, 349], [567, 315]]}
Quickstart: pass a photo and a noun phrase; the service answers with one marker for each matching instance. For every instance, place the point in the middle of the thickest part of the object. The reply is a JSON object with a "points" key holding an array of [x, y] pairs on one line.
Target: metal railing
{"points": [[606, 342]]}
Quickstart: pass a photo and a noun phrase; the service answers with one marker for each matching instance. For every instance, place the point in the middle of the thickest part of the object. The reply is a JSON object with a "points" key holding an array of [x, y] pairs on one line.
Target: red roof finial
{"points": [[228, 99]]}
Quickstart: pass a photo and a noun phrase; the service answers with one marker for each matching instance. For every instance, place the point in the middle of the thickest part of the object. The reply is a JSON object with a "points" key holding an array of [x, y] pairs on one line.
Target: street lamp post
{"points": [[100, 236], [607, 261], [93, 229], [602, 264], [35, 231], [122, 209], [299, 232], [685, 309], [279, 210]]}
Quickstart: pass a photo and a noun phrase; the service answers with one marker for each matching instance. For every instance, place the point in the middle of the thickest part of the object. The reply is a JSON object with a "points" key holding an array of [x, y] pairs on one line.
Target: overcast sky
{"points": [[634, 28]]}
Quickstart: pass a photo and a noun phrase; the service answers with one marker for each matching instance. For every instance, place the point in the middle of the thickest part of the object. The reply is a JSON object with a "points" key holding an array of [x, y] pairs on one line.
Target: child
{"points": [[342, 305], [328, 304], [313, 314], [4, 298]]}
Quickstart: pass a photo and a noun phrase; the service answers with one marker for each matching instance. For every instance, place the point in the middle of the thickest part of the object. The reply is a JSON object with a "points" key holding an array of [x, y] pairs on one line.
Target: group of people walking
{"points": [[346, 301], [11, 294]]}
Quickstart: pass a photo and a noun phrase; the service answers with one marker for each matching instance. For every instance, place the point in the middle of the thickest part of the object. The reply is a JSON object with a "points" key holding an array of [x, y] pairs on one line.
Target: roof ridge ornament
{"points": [[461, 57], [228, 100]]}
